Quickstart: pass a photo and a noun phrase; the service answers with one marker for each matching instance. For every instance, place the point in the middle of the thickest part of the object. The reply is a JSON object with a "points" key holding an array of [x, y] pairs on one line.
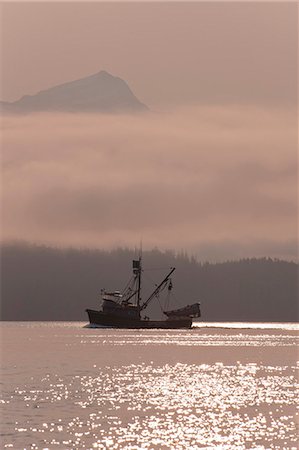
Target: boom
{"points": [[156, 291]]}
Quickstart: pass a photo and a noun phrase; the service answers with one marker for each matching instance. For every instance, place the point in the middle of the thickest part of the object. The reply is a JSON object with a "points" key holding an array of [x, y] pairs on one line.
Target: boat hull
{"points": [[109, 320]]}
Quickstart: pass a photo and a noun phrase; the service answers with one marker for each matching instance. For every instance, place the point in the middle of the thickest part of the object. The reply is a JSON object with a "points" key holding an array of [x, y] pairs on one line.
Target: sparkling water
{"points": [[216, 386]]}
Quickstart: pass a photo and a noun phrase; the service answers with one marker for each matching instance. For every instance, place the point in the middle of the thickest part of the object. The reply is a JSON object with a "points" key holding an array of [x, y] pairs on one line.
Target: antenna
{"points": [[140, 248]]}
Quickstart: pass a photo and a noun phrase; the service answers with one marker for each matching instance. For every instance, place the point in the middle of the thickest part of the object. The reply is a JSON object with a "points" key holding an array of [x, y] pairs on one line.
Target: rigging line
{"points": [[157, 290], [168, 300], [154, 283], [158, 298], [150, 279], [179, 303], [128, 284]]}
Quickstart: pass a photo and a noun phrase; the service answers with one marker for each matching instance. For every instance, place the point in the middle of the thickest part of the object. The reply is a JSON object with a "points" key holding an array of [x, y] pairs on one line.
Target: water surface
{"points": [[66, 386]]}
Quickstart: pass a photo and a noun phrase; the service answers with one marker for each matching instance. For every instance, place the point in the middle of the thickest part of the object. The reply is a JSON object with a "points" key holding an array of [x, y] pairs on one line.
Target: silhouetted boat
{"points": [[123, 309]]}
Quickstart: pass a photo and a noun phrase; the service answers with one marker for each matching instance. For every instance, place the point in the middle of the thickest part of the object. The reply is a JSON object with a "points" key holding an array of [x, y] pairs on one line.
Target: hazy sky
{"points": [[212, 169], [169, 53]]}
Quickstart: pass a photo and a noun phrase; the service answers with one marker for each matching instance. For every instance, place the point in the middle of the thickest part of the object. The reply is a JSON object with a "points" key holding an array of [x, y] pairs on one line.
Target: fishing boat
{"points": [[126, 309]]}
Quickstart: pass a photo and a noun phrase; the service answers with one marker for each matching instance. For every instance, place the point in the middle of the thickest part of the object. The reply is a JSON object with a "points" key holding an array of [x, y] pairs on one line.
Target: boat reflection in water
{"points": [[124, 309]]}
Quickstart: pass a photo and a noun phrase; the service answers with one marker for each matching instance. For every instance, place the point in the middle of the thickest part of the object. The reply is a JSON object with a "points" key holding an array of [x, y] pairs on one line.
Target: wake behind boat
{"points": [[124, 309]]}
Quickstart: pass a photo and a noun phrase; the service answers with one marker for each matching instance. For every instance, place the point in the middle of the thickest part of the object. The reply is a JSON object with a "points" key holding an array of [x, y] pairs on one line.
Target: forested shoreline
{"points": [[44, 283]]}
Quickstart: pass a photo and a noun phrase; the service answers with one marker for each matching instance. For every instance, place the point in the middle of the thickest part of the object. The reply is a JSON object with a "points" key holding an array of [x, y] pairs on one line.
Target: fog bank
{"points": [[213, 179]]}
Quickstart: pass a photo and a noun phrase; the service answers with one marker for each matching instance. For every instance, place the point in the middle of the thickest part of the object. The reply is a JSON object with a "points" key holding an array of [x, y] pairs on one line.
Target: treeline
{"points": [[42, 283]]}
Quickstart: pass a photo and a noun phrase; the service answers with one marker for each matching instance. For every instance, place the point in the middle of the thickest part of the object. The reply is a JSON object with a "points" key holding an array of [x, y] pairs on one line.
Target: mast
{"points": [[139, 285], [156, 291], [137, 272]]}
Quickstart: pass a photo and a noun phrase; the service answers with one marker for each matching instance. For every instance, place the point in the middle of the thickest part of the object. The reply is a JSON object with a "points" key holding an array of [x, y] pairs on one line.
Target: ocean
{"points": [[217, 386]]}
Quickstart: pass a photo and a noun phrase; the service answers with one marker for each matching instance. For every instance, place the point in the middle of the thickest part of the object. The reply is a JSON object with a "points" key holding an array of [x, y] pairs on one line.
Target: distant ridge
{"points": [[101, 92]]}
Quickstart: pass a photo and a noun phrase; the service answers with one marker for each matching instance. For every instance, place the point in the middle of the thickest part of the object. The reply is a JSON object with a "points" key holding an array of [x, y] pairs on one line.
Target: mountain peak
{"points": [[100, 92], [104, 73]]}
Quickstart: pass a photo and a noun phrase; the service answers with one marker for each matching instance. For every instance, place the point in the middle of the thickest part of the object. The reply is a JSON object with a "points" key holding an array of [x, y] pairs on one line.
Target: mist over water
{"points": [[218, 181], [66, 386]]}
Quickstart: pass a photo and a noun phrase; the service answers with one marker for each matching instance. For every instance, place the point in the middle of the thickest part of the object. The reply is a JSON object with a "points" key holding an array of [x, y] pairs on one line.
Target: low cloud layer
{"points": [[217, 182]]}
